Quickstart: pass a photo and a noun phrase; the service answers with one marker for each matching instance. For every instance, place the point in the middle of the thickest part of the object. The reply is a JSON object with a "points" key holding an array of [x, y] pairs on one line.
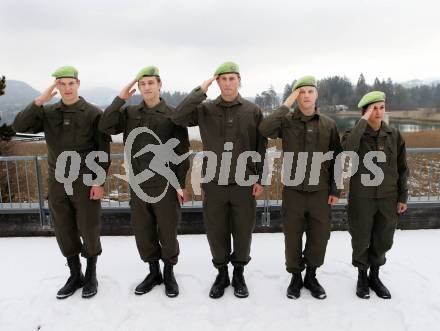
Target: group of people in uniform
{"points": [[229, 210]]}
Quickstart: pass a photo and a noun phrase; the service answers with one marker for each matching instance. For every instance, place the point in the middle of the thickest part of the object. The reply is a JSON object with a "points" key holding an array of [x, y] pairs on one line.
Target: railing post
{"points": [[429, 179], [44, 221], [265, 215]]}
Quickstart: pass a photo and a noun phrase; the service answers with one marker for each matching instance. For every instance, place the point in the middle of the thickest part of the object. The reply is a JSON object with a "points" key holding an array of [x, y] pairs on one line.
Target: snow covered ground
{"points": [[32, 270]]}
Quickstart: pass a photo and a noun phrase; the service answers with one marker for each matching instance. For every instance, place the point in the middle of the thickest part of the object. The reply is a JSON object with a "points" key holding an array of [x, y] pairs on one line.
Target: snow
{"points": [[32, 270]]}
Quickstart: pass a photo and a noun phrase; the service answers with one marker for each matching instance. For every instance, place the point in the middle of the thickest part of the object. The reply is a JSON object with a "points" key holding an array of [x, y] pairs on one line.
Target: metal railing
{"points": [[23, 183]]}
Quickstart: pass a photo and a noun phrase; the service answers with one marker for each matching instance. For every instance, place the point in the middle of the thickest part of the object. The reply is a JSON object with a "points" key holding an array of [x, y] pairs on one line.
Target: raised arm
{"points": [[352, 138], [31, 118], [270, 126], [186, 113], [113, 120]]}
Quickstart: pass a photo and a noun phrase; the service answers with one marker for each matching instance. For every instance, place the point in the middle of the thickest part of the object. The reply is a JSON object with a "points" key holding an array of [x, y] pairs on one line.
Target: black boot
{"points": [[376, 285], [171, 286], [294, 289], [362, 289], [76, 279], [221, 282], [311, 283], [239, 284], [153, 278], [91, 285]]}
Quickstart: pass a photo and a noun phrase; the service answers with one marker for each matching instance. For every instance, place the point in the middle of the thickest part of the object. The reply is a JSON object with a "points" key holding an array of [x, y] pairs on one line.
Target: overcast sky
{"points": [[273, 41]]}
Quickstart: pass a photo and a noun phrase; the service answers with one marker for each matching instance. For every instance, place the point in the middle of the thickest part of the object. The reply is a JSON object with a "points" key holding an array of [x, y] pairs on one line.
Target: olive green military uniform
{"points": [[305, 206], [372, 210], [228, 209], [154, 224], [70, 128]]}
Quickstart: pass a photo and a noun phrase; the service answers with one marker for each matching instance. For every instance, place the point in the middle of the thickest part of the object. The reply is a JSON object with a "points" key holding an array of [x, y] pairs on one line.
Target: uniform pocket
{"points": [[214, 123], [54, 118], [389, 154], [161, 125], [133, 122], [83, 129], [323, 140], [246, 121]]}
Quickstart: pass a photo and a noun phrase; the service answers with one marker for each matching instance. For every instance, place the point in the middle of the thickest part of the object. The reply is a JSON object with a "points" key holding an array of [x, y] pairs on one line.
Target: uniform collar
{"points": [[384, 126], [298, 114], [161, 107], [79, 105], [237, 101], [384, 130]]}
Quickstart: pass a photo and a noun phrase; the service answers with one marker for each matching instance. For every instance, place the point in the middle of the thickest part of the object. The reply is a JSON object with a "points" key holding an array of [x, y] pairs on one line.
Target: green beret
{"points": [[227, 68], [305, 81], [371, 97], [65, 72], [148, 71]]}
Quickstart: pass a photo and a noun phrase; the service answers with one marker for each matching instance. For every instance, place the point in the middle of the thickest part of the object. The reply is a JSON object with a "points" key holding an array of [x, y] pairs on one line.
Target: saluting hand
{"points": [[401, 207], [368, 112], [47, 95], [207, 83], [127, 92], [291, 98]]}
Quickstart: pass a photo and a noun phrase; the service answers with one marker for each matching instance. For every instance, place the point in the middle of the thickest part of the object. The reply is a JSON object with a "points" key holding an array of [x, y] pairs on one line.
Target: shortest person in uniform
{"points": [[71, 124], [373, 209]]}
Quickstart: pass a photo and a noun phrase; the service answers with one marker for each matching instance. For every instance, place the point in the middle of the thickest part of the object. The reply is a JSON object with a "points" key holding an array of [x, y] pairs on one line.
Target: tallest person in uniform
{"points": [[71, 125], [306, 206], [229, 209]]}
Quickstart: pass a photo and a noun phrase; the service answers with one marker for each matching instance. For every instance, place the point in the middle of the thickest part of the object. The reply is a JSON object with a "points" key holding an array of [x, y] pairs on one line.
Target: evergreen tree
{"points": [[335, 90], [287, 91], [436, 97], [268, 99], [360, 89], [2, 85], [6, 131]]}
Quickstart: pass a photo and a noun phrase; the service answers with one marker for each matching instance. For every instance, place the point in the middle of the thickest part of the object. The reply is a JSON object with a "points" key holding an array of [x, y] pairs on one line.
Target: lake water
{"points": [[344, 123], [403, 125]]}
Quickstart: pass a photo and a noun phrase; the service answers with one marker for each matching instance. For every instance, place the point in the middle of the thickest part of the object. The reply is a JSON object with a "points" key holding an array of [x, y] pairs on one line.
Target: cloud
{"points": [[273, 41]]}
